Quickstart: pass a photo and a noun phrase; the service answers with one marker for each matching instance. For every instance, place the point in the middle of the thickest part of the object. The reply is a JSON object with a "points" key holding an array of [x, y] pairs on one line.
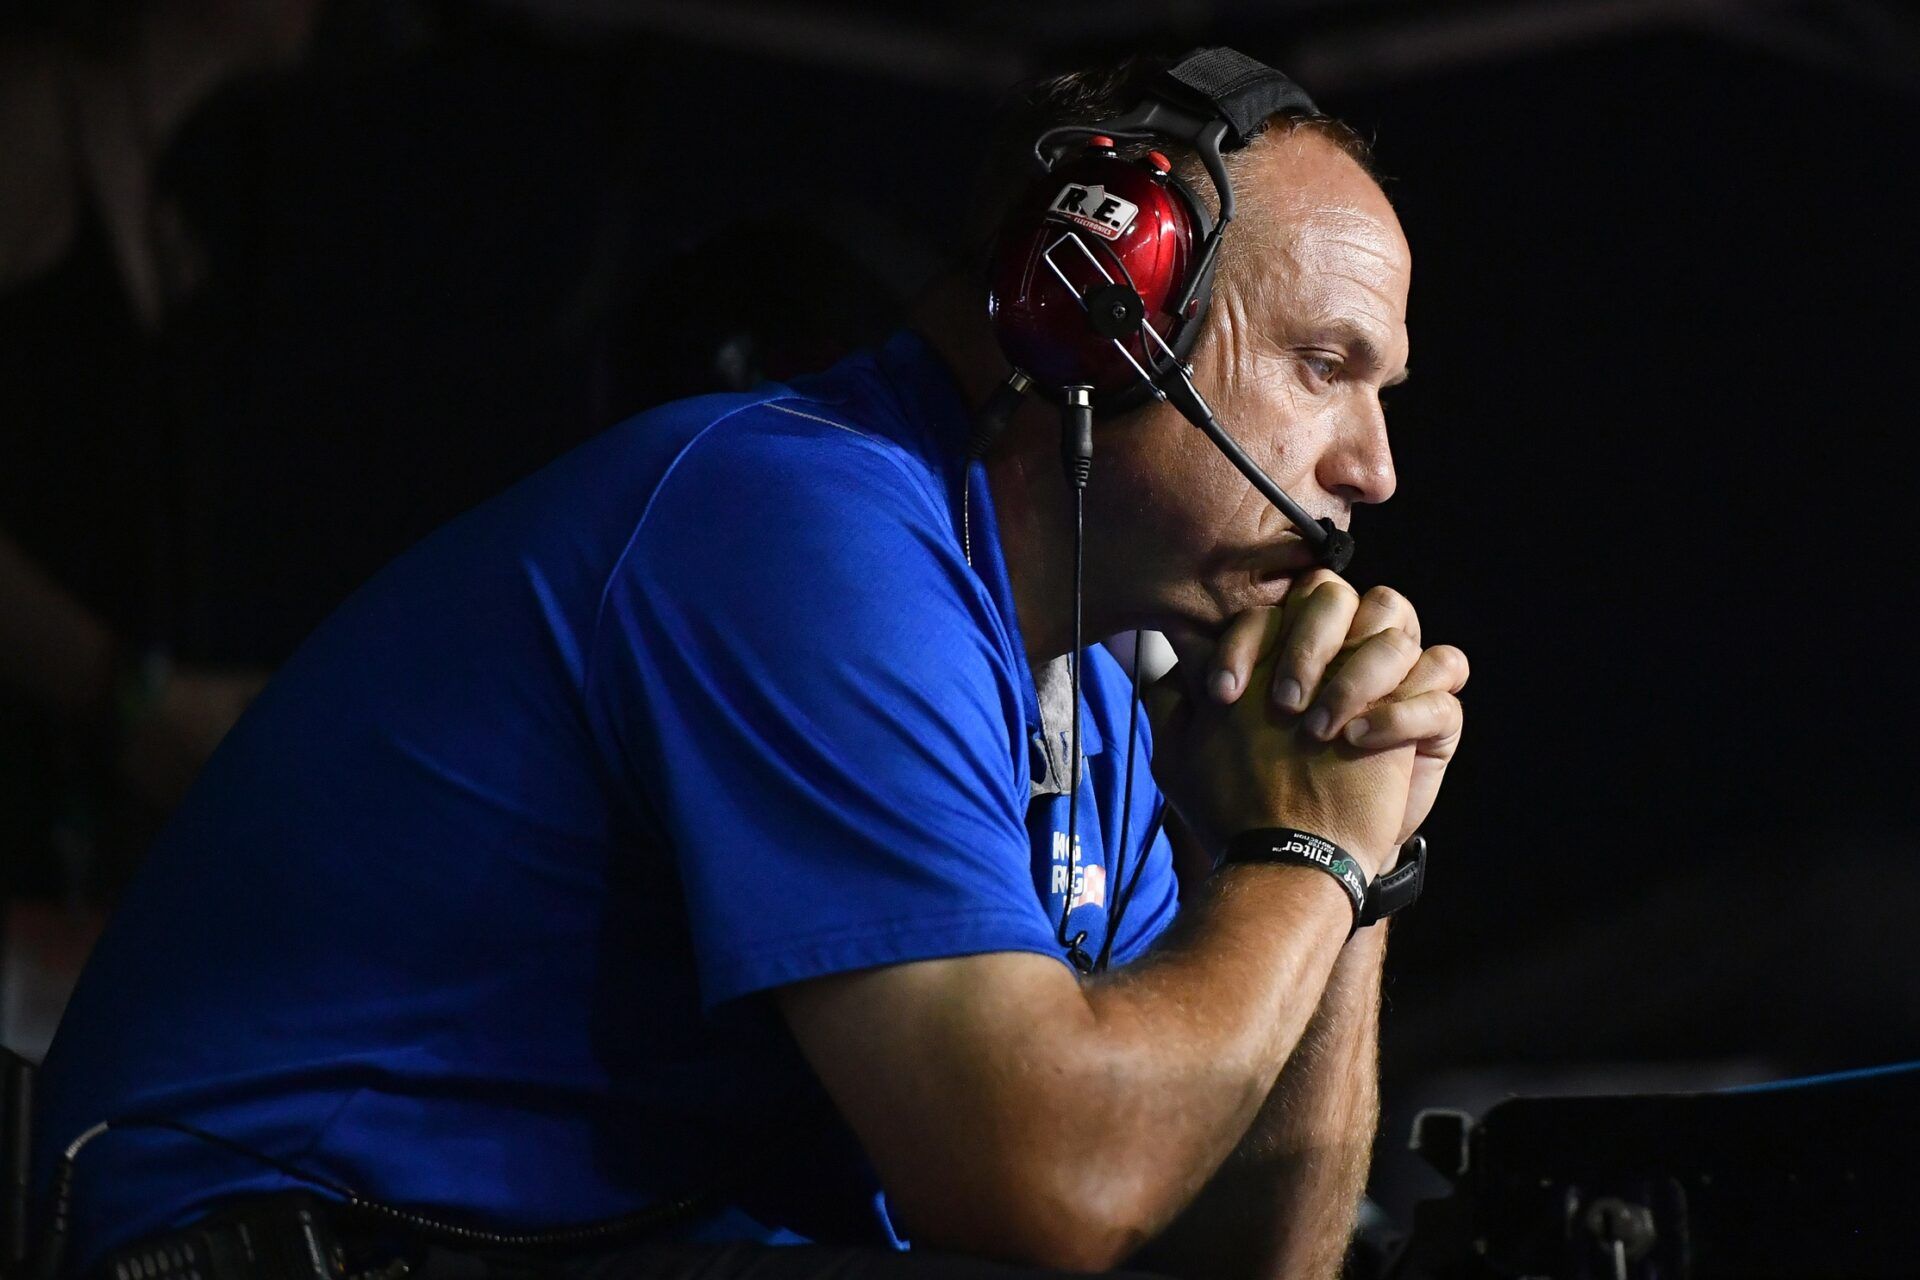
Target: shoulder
{"points": [[792, 484], [784, 452], [803, 519]]}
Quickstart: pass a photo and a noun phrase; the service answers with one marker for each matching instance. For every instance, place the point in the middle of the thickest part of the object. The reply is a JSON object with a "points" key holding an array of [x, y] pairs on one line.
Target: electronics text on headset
{"points": [[1107, 216]]}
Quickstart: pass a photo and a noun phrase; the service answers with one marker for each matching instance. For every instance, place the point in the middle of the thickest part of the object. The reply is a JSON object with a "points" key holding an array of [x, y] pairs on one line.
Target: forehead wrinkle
{"points": [[1378, 275], [1370, 251], [1350, 254], [1362, 283]]}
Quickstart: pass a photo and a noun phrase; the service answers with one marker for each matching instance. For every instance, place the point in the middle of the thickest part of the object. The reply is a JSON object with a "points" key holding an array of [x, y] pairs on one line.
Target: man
{"points": [[707, 772]]}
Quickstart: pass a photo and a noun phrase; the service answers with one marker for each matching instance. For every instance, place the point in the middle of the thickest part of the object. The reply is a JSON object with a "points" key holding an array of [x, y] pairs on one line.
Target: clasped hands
{"points": [[1323, 713]]}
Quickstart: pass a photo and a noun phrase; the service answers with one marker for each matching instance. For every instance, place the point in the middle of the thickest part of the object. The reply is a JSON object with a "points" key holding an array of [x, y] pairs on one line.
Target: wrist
{"points": [[1373, 857], [1294, 847], [1370, 899]]}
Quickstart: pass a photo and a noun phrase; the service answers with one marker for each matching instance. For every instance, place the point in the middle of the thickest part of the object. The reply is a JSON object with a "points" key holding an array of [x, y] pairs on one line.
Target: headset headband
{"points": [[1214, 100], [1227, 84]]}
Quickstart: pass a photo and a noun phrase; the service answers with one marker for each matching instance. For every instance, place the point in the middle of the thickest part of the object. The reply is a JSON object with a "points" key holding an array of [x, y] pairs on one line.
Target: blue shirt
{"points": [[469, 911]]}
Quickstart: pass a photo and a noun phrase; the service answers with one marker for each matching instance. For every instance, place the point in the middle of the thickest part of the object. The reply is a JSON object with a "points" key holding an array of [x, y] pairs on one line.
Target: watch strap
{"points": [[1400, 887]]}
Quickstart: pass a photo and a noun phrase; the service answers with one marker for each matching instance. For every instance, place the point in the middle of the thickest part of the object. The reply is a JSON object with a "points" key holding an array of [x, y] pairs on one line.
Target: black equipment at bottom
{"points": [[275, 1238], [1803, 1179]]}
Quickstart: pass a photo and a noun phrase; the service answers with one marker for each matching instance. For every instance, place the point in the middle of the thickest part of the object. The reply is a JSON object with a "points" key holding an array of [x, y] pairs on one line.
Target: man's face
{"points": [[1304, 332]]}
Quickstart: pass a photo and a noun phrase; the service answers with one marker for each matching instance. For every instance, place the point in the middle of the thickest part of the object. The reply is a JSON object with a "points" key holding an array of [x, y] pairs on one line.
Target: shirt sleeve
{"points": [[802, 681]]}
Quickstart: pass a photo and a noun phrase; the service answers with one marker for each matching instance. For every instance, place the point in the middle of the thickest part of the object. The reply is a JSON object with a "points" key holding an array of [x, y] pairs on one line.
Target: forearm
{"points": [[1283, 1204], [1193, 1039], [53, 650], [1075, 1120]]}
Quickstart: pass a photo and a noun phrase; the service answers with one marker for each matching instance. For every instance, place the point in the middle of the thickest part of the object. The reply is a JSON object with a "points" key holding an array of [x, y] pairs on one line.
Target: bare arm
{"points": [[1073, 1122], [1283, 1203]]}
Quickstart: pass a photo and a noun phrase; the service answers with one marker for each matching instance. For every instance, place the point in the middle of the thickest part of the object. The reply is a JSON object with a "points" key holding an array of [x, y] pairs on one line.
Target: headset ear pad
{"points": [[1093, 222]]}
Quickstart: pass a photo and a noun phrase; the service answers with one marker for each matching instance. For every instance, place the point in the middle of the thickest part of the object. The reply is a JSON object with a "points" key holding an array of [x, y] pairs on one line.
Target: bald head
{"points": [[1291, 173]]}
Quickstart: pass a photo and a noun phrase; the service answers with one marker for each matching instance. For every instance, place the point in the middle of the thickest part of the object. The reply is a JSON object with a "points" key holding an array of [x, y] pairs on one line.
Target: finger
{"points": [[1247, 637], [1431, 721], [1383, 607], [1364, 676], [1440, 667], [1315, 629]]}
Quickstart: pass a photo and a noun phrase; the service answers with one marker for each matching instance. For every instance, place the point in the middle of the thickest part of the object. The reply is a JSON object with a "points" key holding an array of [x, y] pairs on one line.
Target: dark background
{"points": [[1654, 459]]}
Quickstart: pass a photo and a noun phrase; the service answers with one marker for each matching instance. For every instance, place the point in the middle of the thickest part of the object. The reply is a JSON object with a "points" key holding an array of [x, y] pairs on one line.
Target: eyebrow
{"points": [[1363, 349]]}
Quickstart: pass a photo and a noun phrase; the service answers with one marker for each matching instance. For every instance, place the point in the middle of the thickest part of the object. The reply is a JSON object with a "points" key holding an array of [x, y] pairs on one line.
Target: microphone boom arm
{"points": [[1333, 545]]}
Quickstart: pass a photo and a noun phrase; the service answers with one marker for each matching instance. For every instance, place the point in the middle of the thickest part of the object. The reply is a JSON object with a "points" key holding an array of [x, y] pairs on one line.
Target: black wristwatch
{"points": [[1372, 902]]}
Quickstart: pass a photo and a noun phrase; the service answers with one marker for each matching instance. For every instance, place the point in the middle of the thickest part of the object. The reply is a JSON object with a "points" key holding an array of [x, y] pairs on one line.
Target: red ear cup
{"points": [[1099, 221]]}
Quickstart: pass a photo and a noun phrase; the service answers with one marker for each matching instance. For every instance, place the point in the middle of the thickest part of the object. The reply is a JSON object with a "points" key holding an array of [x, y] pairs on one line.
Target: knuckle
{"points": [[1301, 654], [1315, 639], [1386, 603], [1326, 594], [1447, 714], [1318, 578], [1386, 598], [1388, 717], [1452, 660], [1337, 692], [1400, 640]]}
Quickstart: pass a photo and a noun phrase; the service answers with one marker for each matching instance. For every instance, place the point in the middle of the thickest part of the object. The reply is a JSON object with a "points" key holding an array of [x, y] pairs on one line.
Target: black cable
{"points": [[1125, 899], [1076, 458], [1117, 908], [1077, 956]]}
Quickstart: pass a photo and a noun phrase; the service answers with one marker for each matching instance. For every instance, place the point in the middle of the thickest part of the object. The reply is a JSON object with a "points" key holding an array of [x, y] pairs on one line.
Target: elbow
{"points": [[1071, 1220], [1075, 1238]]}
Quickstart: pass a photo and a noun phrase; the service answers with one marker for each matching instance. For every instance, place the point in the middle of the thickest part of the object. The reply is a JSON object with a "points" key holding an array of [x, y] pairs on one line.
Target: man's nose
{"points": [[1358, 464]]}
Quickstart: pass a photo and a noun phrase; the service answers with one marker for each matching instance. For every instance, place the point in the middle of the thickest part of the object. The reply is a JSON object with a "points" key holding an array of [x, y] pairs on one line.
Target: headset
{"points": [[1103, 273], [1099, 285]]}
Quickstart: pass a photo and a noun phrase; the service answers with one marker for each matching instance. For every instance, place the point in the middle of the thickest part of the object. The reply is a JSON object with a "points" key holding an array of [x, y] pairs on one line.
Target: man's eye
{"points": [[1322, 366]]}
